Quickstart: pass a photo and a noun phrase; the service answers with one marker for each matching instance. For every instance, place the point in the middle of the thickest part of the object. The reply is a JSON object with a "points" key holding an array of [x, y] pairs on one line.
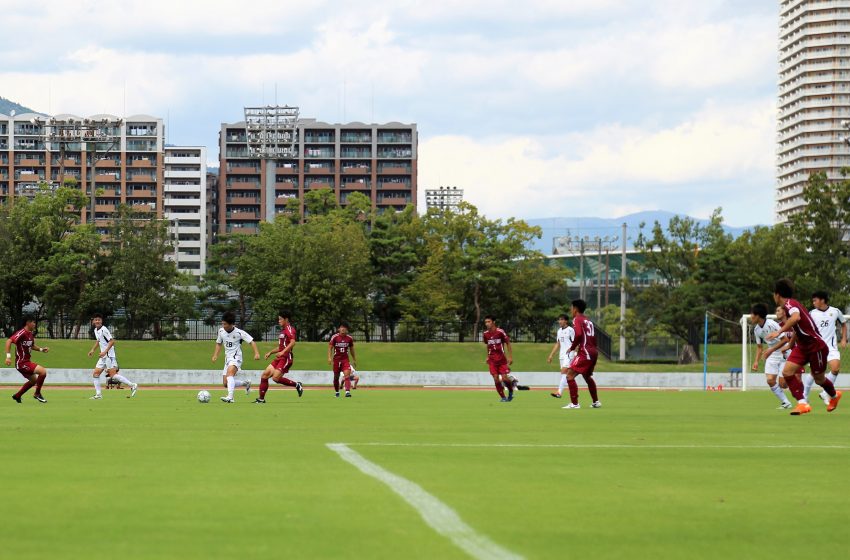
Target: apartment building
{"points": [[185, 205], [377, 160], [814, 96]]}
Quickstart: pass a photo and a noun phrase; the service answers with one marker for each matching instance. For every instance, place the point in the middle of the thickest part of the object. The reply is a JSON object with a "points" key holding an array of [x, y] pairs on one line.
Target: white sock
{"points": [[238, 382], [832, 376], [231, 384], [122, 379], [780, 394], [562, 384], [808, 381], [96, 385]]}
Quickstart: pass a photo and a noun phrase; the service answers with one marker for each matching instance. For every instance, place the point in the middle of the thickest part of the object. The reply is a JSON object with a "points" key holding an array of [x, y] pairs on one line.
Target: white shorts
{"points": [[565, 360], [106, 363], [834, 354], [773, 366], [228, 363]]}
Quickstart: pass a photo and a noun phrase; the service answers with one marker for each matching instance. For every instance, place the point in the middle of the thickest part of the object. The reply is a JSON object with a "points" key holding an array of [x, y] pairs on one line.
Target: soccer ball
{"points": [[204, 396]]}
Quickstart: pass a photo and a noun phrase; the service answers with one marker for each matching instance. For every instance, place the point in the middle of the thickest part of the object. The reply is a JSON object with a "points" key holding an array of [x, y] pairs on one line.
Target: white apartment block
{"points": [[814, 96], [185, 205]]}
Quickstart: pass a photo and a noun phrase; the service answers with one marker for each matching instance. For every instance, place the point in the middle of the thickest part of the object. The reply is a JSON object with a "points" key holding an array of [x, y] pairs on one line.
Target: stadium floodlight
{"points": [[272, 131]]}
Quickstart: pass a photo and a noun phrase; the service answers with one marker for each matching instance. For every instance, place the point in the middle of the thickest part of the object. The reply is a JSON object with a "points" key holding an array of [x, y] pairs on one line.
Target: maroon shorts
{"points": [[26, 368], [582, 364], [283, 364], [499, 368], [815, 358], [341, 365]]}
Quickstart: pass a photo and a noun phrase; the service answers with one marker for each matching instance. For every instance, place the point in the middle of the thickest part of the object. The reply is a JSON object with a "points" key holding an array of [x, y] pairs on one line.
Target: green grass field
{"points": [[650, 475], [375, 356]]}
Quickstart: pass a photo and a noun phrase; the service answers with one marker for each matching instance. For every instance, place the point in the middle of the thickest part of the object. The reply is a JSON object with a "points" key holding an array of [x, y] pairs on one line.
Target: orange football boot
{"points": [[801, 408], [833, 403]]}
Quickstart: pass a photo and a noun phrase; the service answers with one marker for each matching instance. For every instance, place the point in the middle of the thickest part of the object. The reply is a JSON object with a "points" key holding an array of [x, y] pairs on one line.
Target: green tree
{"points": [[320, 202], [145, 285]]}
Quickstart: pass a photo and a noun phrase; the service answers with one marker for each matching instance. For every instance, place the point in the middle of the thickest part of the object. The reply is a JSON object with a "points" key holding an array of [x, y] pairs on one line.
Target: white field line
{"points": [[597, 446], [435, 513]]}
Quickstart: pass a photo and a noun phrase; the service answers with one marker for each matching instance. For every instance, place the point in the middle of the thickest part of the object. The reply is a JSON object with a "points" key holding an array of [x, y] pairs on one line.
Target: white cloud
{"points": [[612, 169]]}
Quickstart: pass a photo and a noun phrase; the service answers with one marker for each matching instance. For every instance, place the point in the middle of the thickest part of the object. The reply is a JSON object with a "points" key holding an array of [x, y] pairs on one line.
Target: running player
{"points": [[283, 361], [232, 337], [826, 319], [810, 348], [24, 341], [339, 347], [563, 342], [773, 359], [497, 342], [584, 346], [106, 359]]}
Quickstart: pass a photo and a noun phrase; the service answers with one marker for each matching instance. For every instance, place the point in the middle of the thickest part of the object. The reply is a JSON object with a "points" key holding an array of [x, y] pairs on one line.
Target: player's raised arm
{"points": [[792, 320]]}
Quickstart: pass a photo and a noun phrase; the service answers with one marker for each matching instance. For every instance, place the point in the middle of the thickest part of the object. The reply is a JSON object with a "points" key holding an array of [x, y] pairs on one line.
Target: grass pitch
{"points": [[650, 475]]}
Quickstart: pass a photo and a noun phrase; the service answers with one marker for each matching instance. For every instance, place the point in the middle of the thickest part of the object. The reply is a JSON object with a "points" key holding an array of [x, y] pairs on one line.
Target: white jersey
{"points": [[232, 342], [761, 331], [566, 336], [103, 338], [827, 323]]}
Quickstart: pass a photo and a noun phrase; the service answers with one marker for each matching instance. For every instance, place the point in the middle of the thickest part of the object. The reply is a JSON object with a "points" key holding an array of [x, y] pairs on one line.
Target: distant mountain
{"points": [[612, 227], [7, 106]]}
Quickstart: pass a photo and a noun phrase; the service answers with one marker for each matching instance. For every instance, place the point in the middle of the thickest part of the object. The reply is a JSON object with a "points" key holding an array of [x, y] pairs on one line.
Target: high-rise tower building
{"points": [[814, 96]]}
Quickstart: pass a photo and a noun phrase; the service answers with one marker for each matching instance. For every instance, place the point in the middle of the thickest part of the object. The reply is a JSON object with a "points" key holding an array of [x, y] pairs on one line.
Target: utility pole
{"points": [[623, 299], [581, 269], [599, 281]]}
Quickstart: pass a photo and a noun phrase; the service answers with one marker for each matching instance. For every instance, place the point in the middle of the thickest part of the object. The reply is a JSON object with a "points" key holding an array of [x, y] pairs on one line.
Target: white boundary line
{"points": [[595, 446], [435, 513]]}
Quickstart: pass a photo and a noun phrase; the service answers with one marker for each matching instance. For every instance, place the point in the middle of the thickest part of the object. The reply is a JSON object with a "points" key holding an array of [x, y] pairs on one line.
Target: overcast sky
{"points": [[537, 108]]}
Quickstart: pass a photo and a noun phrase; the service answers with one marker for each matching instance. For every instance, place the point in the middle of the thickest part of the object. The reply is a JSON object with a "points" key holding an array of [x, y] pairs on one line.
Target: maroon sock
{"points": [[795, 386], [39, 381], [571, 383], [24, 388], [336, 382], [591, 386], [348, 384], [828, 387], [285, 381], [498, 383], [264, 386]]}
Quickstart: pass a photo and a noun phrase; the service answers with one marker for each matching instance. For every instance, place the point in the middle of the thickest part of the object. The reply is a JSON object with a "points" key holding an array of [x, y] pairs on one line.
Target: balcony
{"points": [[104, 208], [286, 185], [142, 178], [243, 229], [141, 193], [179, 159], [30, 161], [287, 169], [243, 200], [108, 192], [243, 184], [183, 174], [320, 170], [142, 163], [394, 170], [29, 177], [394, 201], [243, 170], [320, 185], [357, 170], [365, 138], [355, 153], [107, 177]]}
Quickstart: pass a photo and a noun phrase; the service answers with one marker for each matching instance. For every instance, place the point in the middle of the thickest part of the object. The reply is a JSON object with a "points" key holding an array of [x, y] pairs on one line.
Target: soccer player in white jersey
{"points": [[773, 357], [232, 337], [563, 342], [106, 359], [827, 319]]}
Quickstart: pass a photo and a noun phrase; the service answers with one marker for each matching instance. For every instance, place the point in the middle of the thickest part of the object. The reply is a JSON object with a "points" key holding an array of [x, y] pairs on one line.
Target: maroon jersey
{"points": [[808, 337], [286, 336], [585, 338], [23, 340], [495, 341], [342, 345]]}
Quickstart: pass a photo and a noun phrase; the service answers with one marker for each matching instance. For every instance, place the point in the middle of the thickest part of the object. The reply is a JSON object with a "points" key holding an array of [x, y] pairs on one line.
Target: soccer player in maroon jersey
{"points": [[584, 346], [810, 348], [339, 347], [24, 341], [284, 358], [497, 342]]}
